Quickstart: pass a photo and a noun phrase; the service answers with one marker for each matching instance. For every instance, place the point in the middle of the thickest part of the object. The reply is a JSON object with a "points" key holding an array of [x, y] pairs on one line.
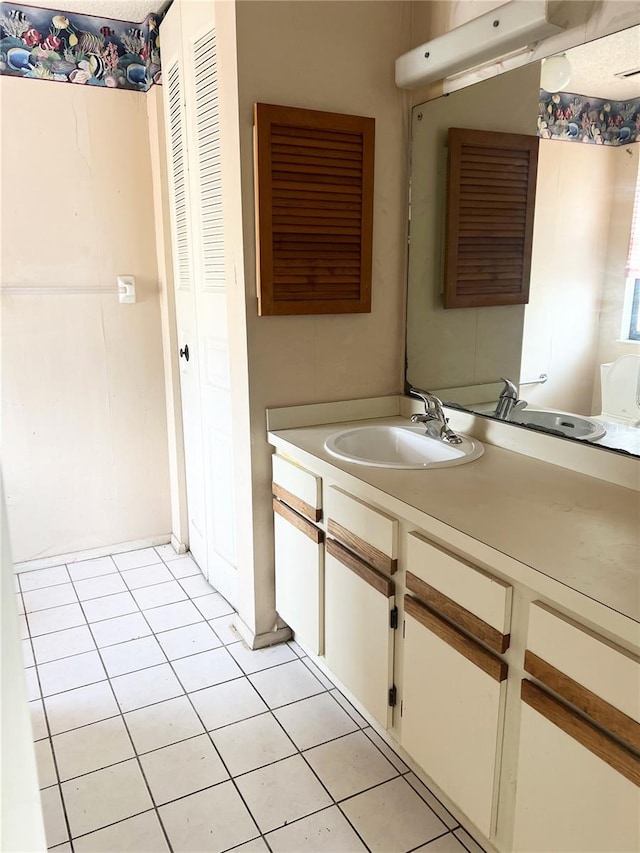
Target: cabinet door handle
{"points": [[592, 738], [360, 568], [298, 521], [471, 650], [365, 550]]}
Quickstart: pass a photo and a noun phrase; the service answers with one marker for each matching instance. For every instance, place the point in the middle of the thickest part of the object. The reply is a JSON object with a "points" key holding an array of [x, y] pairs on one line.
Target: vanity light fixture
{"points": [[555, 73], [514, 25]]}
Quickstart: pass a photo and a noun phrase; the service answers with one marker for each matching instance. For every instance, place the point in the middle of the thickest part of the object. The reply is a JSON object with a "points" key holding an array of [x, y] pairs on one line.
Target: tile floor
{"points": [[157, 729]]}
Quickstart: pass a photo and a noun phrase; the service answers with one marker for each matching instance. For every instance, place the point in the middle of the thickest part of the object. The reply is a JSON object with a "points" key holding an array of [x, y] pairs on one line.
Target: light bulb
{"points": [[556, 73]]}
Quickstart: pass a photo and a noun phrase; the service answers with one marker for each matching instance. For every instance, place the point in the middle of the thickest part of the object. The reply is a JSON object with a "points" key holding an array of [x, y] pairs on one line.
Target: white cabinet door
{"points": [[569, 796], [299, 576], [359, 640], [452, 700]]}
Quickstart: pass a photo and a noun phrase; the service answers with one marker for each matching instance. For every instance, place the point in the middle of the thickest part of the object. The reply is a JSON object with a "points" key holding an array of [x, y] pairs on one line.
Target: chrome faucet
{"points": [[434, 418], [508, 401]]}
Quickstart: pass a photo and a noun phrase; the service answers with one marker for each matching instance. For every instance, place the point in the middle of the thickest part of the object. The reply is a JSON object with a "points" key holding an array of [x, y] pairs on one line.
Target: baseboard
{"points": [[260, 641], [178, 546], [92, 553]]}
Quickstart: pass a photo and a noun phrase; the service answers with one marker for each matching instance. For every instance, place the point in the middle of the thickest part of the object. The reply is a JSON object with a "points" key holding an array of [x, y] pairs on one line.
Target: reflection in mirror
{"points": [[573, 351]]}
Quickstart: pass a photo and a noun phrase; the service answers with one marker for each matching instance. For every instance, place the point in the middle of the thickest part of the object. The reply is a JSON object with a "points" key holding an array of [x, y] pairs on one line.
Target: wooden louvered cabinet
{"points": [[314, 211], [491, 185]]}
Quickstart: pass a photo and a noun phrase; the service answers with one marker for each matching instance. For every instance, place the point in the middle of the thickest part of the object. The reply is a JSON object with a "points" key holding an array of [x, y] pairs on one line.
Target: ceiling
{"points": [[594, 65], [123, 10]]}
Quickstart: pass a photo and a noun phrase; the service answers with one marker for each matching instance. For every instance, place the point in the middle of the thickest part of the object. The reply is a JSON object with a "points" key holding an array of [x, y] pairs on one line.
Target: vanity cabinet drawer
{"points": [[593, 674], [467, 595], [366, 531], [297, 487]]}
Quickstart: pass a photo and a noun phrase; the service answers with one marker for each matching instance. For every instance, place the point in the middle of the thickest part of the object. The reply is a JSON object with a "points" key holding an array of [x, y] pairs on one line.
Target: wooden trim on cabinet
{"points": [[600, 711], [471, 623], [296, 503], [360, 568], [364, 550], [298, 521], [605, 747], [471, 650]]}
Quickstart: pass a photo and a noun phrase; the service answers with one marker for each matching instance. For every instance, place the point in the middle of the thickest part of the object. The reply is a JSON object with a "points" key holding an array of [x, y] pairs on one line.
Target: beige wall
{"points": [[336, 56], [84, 441], [573, 211], [449, 348]]}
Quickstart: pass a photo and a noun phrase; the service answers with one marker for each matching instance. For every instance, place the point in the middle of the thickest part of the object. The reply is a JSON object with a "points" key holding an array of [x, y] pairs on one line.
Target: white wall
{"points": [[84, 440]]}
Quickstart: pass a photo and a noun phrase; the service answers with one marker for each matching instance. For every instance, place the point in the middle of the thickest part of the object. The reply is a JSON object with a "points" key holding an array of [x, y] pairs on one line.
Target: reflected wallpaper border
{"points": [[65, 47], [579, 118]]}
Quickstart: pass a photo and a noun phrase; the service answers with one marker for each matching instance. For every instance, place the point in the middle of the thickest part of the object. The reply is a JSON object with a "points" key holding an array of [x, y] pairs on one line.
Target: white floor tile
{"points": [[159, 594], [348, 707], [38, 720], [182, 769], [23, 627], [121, 629], [173, 616], [223, 626], [63, 644], [61, 848], [432, 801], [282, 792], [55, 826], [167, 552], [254, 661], [392, 817], [110, 606], [84, 569], [227, 703], [162, 724], [55, 619], [80, 707], [92, 747], [257, 845], [183, 567], [470, 844], [252, 743], [349, 765], [213, 820], [106, 796], [300, 652], [287, 683], [51, 596], [27, 653], [131, 656], [69, 673], [213, 605], [147, 576], [196, 585], [445, 844], [138, 689], [386, 750], [327, 831], [44, 762], [316, 720], [134, 835], [100, 586], [43, 577], [182, 642], [135, 559], [19, 601], [33, 687], [315, 670], [206, 669]]}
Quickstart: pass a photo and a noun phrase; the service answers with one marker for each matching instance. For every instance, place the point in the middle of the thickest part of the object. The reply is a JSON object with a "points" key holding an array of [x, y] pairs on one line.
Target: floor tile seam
{"points": [[65, 657], [435, 838], [113, 823], [52, 606], [136, 756], [319, 811], [360, 727], [400, 772], [332, 739], [271, 666], [36, 588], [468, 849], [437, 799]]}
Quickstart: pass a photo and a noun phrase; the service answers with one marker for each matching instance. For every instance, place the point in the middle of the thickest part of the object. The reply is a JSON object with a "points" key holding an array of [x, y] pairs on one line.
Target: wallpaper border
{"points": [[580, 118], [64, 47]]}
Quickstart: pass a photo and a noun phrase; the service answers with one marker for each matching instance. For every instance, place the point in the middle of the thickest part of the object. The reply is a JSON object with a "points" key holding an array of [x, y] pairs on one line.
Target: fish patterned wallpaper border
{"points": [[44, 44], [579, 118]]}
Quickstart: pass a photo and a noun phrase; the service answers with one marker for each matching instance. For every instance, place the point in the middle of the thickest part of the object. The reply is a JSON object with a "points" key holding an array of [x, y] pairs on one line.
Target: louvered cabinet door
{"points": [[491, 185]]}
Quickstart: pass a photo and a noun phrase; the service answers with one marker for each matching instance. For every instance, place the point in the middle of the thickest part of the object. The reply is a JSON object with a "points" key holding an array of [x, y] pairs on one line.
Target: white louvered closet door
{"points": [[181, 207], [203, 131]]}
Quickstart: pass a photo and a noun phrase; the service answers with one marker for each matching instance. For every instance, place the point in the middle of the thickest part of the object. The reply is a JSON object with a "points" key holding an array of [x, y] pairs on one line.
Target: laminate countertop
{"points": [[578, 530]]}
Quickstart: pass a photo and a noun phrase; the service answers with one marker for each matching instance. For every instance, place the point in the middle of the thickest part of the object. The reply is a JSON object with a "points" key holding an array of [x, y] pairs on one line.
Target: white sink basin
{"points": [[573, 426], [385, 446]]}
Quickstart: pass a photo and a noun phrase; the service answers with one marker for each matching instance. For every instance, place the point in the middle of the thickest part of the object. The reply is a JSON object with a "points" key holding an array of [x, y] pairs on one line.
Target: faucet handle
{"points": [[510, 391], [427, 398]]}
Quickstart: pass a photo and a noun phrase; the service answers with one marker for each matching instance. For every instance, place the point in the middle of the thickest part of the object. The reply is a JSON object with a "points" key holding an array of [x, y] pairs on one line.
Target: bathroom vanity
{"points": [[485, 618]]}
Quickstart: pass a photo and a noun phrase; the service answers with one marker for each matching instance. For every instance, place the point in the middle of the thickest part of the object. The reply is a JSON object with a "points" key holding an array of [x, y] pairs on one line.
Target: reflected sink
{"points": [[573, 426], [386, 446]]}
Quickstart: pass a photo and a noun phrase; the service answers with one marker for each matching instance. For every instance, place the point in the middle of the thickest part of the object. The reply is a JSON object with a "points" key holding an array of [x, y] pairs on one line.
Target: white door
{"points": [[201, 305]]}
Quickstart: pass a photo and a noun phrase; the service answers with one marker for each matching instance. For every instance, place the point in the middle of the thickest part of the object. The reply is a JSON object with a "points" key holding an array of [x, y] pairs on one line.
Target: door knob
{"points": [[184, 353]]}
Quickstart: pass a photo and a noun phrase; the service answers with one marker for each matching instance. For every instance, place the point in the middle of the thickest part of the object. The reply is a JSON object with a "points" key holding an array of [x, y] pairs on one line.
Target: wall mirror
{"points": [[583, 300]]}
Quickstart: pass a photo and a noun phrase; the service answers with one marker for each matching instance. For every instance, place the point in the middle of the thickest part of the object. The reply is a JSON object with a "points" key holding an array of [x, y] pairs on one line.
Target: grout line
{"points": [[435, 838]]}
